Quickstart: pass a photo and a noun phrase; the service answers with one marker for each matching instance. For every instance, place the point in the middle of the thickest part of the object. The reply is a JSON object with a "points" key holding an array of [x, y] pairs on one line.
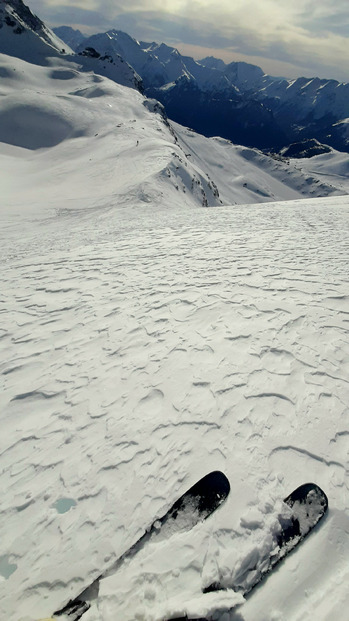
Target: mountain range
{"points": [[236, 101], [74, 96]]}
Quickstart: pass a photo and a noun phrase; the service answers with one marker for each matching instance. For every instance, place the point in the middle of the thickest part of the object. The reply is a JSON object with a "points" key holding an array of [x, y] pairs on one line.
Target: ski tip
{"points": [[211, 485], [308, 493], [213, 480]]}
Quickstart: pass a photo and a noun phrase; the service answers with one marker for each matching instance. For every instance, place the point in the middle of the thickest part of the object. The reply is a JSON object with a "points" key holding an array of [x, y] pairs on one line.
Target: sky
{"points": [[290, 38]]}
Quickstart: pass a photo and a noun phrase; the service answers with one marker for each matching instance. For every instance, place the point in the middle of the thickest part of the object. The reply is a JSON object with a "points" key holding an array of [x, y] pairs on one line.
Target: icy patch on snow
{"points": [[7, 568], [62, 505]]}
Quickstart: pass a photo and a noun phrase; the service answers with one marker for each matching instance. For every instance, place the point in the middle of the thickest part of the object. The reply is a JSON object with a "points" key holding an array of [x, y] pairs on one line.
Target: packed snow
{"points": [[147, 340]]}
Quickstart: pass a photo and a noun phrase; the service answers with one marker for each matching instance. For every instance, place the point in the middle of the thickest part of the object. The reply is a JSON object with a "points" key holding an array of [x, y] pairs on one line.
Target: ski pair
{"points": [[308, 504]]}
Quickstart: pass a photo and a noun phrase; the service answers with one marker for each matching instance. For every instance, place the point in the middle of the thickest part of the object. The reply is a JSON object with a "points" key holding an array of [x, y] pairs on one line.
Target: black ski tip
{"points": [[308, 493], [212, 489], [309, 504], [206, 495]]}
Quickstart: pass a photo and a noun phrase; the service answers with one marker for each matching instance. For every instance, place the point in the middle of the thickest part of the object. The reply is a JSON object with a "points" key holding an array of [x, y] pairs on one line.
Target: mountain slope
{"points": [[24, 35], [248, 176], [71, 132], [332, 168]]}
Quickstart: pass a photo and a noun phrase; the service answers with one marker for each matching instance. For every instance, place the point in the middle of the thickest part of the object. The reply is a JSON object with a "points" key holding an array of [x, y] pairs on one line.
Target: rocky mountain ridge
{"points": [[237, 101]]}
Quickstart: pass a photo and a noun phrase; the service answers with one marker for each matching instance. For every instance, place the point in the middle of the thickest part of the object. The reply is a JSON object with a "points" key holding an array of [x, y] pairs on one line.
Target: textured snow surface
{"points": [[143, 348], [145, 341]]}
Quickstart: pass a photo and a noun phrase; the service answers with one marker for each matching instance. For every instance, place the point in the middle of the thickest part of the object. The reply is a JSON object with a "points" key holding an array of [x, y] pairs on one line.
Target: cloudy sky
{"points": [[284, 37]]}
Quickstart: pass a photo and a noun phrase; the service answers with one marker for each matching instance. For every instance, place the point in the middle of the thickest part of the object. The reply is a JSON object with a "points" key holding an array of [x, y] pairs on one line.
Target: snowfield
{"points": [[141, 349], [153, 331]]}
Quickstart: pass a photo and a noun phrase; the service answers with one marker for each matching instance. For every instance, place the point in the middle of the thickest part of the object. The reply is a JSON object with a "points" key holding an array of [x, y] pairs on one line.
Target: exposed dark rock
{"points": [[305, 148], [90, 52]]}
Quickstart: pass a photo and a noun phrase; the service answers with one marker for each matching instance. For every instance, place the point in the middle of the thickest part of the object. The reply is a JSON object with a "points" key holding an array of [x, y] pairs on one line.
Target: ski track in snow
{"points": [[140, 351]]}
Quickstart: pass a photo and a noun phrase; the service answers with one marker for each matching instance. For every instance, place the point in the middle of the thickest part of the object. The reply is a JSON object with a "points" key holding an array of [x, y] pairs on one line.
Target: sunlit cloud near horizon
{"points": [[302, 37]]}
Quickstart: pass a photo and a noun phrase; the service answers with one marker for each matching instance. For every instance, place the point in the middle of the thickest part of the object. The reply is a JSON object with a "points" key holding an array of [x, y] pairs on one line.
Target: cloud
{"points": [[307, 34], [58, 14]]}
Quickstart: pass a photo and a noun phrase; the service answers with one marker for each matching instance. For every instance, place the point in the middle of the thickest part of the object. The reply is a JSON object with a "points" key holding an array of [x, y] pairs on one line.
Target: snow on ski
{"points": [[303, 509]]}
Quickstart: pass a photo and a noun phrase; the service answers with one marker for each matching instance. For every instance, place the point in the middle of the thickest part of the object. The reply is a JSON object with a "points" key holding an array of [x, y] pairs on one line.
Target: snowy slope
{"points": [[85, 140], [63, 130], [248, 176], [330, 167]]}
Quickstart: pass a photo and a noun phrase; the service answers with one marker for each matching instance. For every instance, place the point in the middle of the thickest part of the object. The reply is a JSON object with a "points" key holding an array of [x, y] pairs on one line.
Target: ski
{"points": [[309, 504], [194, 506], [304, 508]]}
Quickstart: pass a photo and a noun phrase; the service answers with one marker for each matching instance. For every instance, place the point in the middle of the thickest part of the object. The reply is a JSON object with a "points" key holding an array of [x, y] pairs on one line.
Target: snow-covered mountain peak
{"points": [[122, 37], [118, 42], [165, 53], [158, 64]]}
